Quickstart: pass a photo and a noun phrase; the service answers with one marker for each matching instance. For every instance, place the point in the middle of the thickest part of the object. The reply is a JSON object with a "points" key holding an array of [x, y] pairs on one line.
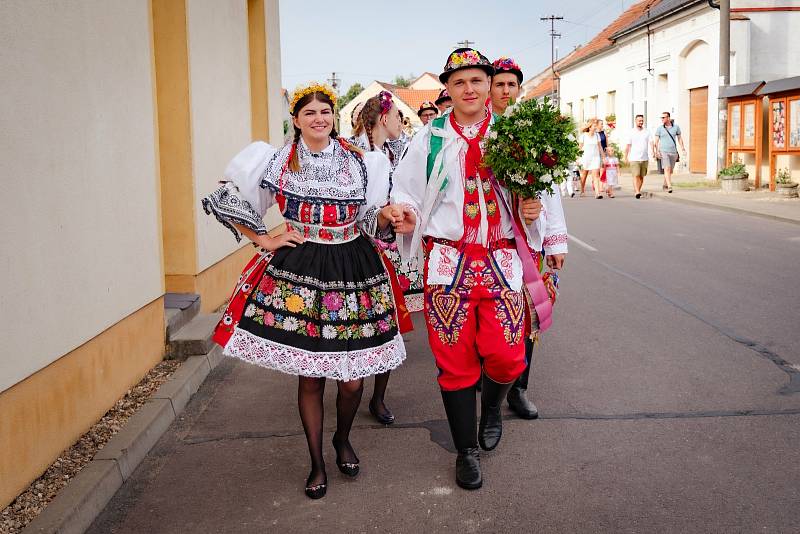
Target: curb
{"points": [[730, 209], [82, 500]]}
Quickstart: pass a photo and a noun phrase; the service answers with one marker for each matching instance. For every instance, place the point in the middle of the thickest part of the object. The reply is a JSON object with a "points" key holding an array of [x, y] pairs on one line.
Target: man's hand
{"points": [[531, 208], [390, 214], [291, 238], [402, 218], [555, 261]]}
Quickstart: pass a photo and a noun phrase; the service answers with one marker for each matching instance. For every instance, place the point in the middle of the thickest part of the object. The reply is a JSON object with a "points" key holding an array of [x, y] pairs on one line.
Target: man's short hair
{"points": [[667, 114], [639, 115]]}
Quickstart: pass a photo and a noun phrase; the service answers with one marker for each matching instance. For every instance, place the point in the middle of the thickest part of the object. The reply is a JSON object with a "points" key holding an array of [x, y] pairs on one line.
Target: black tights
{"points": [[310, 392], [378, 393]]}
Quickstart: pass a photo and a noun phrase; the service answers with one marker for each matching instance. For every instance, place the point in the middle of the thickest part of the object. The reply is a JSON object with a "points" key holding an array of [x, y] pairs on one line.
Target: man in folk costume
{"points": [[466, 223], [505, 89]]}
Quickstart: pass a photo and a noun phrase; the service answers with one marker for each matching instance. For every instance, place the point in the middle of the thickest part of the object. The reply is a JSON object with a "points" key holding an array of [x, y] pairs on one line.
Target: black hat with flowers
{"points": [[443, 97], [425, 106], [465, 58], [506, 64]]}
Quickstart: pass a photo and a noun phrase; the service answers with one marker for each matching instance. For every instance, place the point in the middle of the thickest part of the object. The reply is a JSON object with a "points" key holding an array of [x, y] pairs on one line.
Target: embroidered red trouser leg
{"points": [[478, 317]]}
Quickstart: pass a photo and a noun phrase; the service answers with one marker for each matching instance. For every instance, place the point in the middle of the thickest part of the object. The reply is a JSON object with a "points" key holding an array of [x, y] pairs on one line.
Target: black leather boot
{"points": [[461, 415], [516, 398], [491, 428]]}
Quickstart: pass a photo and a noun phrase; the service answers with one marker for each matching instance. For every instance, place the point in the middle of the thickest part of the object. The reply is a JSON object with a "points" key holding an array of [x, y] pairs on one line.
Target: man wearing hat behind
{"points": [[427, 112], [506, 84], [443, 101], [474, 306]]}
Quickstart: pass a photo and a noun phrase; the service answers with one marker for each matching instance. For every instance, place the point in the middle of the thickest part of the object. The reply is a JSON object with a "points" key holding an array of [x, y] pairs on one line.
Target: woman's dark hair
{"points": [[294, 160]]}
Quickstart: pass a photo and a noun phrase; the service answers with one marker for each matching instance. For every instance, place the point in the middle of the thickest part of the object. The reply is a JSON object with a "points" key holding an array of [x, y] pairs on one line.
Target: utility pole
{"points": [[334, 82], [724, 79], [556, 93], [466, 43]]}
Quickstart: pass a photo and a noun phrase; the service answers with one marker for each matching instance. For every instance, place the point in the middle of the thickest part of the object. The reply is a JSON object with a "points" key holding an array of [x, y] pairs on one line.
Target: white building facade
{"points": [[680, 72]]}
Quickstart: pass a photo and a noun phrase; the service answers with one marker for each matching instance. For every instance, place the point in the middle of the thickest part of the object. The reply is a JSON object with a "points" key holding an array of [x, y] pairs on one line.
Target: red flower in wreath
{"points": [[548, 160]]}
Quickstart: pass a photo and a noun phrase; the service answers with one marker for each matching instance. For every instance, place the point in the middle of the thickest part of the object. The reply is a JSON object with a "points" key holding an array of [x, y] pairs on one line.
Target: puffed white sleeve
{"points": [[377, 194], [555, 225], [409, 181], [240, 199]]}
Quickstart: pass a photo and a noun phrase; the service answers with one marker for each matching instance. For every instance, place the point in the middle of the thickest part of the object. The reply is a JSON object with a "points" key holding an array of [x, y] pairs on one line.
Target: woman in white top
{"points": [[591, 160]]}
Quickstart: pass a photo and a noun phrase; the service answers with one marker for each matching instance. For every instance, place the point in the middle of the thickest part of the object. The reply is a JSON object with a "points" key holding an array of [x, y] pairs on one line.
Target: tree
{"points": [[351, 93], [403, 81]]}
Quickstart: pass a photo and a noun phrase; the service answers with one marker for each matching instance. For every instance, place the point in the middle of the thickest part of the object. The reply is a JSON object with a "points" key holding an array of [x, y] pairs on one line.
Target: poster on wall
{"points": [[749, 137], [736, 124], [778, 125], [794, 127]]}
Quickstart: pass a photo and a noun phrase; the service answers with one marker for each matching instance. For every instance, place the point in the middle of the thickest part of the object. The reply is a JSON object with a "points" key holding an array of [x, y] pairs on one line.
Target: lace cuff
{"points": [[229, 208]]}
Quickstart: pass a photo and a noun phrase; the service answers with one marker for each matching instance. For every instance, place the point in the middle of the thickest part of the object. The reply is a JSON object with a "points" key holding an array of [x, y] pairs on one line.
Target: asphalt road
{"points": [[669, 392]]}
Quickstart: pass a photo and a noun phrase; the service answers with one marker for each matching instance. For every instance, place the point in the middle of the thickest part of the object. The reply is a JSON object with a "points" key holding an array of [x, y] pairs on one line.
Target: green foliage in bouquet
{"points": [[530, 147]]}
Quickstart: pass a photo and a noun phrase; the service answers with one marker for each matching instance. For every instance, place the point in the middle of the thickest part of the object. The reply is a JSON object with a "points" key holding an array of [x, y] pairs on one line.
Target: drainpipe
{"points": [[724, 79]]}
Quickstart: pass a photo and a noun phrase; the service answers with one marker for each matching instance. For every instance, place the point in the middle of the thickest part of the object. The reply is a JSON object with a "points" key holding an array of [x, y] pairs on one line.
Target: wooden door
{"points": [[698, 129]]}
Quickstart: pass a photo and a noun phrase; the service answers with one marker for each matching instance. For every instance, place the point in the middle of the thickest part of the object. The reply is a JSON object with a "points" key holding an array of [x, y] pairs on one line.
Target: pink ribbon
{"points": [[530, 271]]}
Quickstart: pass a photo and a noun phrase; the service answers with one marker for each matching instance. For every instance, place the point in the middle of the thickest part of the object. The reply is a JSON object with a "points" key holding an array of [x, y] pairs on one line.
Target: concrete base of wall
{"points": [[49, 410], [215, 284]]}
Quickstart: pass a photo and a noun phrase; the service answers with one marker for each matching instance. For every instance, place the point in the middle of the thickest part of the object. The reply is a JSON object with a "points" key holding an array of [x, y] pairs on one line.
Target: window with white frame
{"points": [[611, 103]]}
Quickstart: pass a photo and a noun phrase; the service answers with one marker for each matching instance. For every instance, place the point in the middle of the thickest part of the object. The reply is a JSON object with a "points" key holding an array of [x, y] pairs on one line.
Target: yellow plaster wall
{"points": [[49, 410], [175, 136], [80, 225]]}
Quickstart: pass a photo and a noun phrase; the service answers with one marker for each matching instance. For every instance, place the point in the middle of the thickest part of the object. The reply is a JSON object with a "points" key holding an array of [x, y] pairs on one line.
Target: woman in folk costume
{"points": [[317, 302], [506, 84], [379, 127], [472, 230]]}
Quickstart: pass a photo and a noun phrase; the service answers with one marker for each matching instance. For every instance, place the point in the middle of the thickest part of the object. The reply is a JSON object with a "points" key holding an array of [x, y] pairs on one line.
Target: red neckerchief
{"points": [[475, 173]]}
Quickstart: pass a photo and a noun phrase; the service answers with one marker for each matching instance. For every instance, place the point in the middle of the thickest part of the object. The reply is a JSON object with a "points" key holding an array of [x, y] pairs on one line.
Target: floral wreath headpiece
{"points": [[385, 98], [313, 87]]}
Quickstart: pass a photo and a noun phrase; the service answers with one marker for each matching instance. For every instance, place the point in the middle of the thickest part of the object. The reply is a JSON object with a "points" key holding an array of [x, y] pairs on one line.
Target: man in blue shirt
{"points": [[668, 136]]}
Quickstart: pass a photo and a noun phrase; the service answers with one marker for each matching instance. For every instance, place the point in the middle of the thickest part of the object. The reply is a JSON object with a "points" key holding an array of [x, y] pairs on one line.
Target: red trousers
{"points": [[477, 318]]}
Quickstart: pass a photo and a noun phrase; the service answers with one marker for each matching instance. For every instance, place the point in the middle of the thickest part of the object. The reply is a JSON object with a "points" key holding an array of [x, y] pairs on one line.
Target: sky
{"points": [[364, 41]]}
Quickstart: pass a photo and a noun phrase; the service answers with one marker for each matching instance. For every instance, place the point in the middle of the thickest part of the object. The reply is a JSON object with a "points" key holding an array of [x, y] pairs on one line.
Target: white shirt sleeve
{"points": [[377, 194], [410, 176], [555, 234]]}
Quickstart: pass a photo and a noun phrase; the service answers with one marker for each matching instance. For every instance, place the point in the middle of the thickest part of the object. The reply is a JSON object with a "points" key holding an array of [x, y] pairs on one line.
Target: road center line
{"points": [[583, 244]]}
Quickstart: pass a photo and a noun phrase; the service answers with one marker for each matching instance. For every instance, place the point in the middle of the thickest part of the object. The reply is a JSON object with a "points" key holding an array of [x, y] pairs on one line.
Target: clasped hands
{"points": [[402, 218]]}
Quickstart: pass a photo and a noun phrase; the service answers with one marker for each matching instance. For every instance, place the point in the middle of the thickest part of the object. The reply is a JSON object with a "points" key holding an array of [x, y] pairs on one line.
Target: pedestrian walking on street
{"points": [[379, 128], [637, 154], [667, 139], [592, 158], [474, 304], [505, 88], [317, 301]]}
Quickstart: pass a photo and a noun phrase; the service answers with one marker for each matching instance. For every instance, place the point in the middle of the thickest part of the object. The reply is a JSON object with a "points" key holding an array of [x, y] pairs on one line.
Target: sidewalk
{"points": [[690, 189]]}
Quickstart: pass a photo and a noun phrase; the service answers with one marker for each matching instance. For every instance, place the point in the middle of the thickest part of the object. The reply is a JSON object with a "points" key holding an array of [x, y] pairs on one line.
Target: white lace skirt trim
{"points": [[349, 365]]}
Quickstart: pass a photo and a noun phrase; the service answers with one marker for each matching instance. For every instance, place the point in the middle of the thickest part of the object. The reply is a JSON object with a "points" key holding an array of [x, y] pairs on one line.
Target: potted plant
{"points": [[734, 177], [784, 185]]}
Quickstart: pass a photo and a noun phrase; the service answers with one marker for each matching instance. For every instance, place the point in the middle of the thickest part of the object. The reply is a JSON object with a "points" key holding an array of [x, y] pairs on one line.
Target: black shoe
{"points": [[520, 404], [468, 469], [669, 190], [638, 195], [350, 469], [490, 429], [383, 418], [317, 491]]}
